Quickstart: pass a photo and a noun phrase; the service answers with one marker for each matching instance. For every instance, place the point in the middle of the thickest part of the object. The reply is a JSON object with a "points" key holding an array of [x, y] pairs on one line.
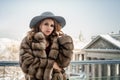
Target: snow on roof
{"points": [[110, 39]]}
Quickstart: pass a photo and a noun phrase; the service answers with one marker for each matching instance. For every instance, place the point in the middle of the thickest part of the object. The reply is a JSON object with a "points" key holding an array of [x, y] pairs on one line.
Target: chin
{"points": [[47, 34]]}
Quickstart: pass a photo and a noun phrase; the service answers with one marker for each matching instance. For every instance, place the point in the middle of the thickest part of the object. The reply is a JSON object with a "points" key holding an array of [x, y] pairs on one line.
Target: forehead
{"points": [[48, 20]]}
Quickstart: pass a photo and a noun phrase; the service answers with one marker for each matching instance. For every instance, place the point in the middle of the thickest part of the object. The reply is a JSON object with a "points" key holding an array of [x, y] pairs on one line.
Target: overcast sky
{"points": [[89, 17]]}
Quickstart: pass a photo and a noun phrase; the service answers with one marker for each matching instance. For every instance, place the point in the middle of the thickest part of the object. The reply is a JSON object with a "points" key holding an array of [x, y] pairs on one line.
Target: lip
{"points": [[48, 31]]}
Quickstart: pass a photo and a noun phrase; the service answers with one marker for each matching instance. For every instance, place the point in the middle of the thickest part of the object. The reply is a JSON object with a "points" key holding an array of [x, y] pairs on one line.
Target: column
{"points": [[99, 71]]}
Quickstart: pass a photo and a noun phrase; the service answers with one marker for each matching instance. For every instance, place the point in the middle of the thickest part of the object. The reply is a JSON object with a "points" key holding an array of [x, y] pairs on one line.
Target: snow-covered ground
{"points": [[11, 73]]}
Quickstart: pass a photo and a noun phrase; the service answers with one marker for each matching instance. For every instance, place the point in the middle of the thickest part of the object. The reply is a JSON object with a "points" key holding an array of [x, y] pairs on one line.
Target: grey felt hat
{"points": [[44, 15]]}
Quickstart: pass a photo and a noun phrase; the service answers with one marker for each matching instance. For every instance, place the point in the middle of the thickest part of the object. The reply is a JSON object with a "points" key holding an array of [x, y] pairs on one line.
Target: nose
{"points": [[49, 26]]}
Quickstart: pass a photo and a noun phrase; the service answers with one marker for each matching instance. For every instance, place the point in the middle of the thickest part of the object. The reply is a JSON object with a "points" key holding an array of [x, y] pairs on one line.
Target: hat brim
{"points": [[37, 19]]}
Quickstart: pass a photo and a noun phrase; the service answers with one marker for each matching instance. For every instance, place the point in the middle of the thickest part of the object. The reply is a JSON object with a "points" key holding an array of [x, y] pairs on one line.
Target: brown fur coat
{"points": [[33, 58]]}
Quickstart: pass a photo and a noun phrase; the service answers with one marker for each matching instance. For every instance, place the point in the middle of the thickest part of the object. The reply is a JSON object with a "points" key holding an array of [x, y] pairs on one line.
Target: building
{"points": [[103, 47]]}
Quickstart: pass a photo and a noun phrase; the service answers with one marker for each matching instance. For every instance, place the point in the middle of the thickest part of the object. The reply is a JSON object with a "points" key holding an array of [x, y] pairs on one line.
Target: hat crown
{"points": [[47, 14]]}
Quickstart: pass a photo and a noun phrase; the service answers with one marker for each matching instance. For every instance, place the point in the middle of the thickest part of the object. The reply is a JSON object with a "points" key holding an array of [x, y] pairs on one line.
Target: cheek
{"points": [[53, 28]]}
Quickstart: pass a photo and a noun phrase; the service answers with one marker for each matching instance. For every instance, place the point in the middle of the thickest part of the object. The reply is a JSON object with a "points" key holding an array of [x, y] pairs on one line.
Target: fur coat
{"points": [[34, 61]]}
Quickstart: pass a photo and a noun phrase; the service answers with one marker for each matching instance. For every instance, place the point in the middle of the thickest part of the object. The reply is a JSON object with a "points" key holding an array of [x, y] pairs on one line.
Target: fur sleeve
{"points": [[25, 57], [32, 54], [65, 50]]}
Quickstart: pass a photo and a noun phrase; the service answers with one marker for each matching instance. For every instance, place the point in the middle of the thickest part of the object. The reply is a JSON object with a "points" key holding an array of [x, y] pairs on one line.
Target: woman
{"points": [[46, 51]]}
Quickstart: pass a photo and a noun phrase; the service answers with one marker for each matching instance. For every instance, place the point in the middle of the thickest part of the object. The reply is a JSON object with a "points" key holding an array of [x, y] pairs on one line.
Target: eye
{"points": [[52, 25], [46, 24]]}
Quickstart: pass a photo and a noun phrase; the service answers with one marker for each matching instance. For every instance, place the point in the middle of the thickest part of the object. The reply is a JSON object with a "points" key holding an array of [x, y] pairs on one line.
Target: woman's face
{"points": [[47, 26]]}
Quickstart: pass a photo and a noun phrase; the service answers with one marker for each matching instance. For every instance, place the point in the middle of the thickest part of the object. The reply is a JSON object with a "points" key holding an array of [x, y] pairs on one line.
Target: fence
{"points": [[95, 70], [78, 70]]}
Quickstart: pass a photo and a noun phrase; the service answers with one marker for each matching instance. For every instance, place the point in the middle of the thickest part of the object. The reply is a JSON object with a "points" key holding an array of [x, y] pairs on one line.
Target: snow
{"points": [[9, 49], [112, 40]]}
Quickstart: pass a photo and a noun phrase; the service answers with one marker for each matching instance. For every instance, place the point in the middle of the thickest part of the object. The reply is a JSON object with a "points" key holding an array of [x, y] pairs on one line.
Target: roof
{"points": [[111, 40], [108, 38]]}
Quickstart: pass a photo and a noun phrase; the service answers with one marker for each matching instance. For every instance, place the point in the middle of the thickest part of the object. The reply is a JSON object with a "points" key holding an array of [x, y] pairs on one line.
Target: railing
{"points": [[78, 70], [9, 63], [94, 70]]}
